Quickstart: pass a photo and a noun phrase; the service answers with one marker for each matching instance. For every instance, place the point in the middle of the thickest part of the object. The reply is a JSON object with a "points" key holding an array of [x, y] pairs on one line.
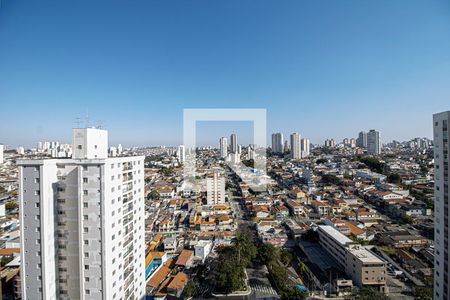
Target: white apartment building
{"points": [[215, 189], [360, 264], [2, 148], [373, 142], [223, 146], [295, 146], [181, 154], [233, 141], [441, 204], [331, 143], [82, 223], [305, 147], [277, 143]]}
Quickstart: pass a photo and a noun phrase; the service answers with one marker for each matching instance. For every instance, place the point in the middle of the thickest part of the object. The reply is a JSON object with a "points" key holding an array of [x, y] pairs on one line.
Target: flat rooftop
{"points": [[366, 256], [336, 235]]}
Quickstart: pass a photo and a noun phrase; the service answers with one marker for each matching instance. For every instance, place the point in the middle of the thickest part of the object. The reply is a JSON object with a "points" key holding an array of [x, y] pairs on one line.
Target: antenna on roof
{"points": [[87, 119], [101, 124], [78, 122]]}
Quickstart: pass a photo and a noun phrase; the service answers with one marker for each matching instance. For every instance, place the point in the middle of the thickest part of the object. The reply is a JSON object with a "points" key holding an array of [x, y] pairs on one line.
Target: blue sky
{"points": [[322, 68]]}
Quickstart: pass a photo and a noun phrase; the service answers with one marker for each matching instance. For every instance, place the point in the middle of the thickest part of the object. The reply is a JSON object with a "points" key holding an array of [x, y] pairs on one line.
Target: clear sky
{"points": [[322, 68]]}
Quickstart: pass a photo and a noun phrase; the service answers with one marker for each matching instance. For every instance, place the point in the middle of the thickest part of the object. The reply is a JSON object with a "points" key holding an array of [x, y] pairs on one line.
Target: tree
{"points": [[423, 293], [302, 267], [407, 218], [153, 195], [330, 179], [249, 163], [394, 178], [286, 257], [367, 293], [189, 290], [244, 245], [373, 164], [268, 253], [11, 205]]}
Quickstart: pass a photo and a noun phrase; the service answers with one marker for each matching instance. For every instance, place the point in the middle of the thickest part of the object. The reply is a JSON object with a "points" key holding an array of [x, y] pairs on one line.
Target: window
{"points": [[86, 279], [86, 230], [80, 147], [85, 180], [85, 192], [37, 192], [85, 204], [36, 180]]}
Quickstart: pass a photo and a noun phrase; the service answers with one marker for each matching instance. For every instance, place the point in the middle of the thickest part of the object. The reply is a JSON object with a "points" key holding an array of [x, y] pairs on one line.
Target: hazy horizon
{"points": [[325, 69]]}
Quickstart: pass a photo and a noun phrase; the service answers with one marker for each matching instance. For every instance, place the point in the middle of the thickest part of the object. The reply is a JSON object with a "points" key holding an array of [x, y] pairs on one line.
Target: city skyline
{"points": [[390, 76]]}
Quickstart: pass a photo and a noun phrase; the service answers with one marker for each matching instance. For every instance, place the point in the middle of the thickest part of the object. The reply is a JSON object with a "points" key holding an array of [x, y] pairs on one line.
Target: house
{"points": [[294, 207], [202, 249], [176, 286], [153, 261], [185, 258]]}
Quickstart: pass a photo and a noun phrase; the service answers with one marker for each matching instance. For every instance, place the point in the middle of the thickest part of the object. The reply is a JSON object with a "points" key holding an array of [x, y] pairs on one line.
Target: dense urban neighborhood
{"points": [[348, 220]]}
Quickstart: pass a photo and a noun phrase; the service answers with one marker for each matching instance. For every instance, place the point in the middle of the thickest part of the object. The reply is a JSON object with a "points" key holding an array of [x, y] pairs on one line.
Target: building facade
{"points": [[373, 142], [82, 223], [441, 205], [295, 146], [215, 189], [2, 148], [233, 141], [277, 143], [305, 147], [223, 146], [361, 141], [360, 264]]}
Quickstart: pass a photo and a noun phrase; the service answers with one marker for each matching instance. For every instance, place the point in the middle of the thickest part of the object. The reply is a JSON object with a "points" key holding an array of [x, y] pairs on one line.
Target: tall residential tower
{"points": [[277, 143], [82, 223], [373, 142], [441, 207], [223, 146], [234, 145], [295, 146]]}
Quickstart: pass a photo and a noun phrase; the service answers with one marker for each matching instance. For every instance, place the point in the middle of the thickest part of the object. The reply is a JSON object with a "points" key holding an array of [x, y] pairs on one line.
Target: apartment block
{"points": [[82, 223], [359, 263], [441, 207]]}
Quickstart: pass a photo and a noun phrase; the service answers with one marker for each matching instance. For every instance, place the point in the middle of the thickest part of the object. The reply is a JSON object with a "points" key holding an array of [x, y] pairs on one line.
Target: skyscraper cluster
{"points": [[298, 147]]}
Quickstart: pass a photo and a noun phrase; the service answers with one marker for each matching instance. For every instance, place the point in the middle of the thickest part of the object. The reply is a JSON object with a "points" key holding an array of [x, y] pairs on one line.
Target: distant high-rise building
{"points": [[373, 142], [233, 141], [295, 146], [305, 147], [223, 145], [330, 143], [239, 149], [441, 205], [83, 223], [215, 189], [352, 142], [277, 143], [361, 141], [2, 148], [119, 149], [181, 154]]}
